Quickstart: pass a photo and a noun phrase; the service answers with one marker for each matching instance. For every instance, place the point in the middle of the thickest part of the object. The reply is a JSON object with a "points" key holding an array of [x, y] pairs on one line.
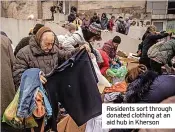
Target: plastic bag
{"points": [[102, 81], [11, 119], [119, 73]]}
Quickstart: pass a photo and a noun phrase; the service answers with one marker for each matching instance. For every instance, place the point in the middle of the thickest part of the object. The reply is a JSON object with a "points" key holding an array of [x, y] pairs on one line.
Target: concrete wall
{"points": [[127, 44], [46, 10], [19, 9], [17, 29], [87, 5], [157, 7]]}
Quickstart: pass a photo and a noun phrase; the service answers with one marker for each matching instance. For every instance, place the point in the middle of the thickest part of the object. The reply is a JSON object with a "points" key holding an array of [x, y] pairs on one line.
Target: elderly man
{"points": [[42, 53]]}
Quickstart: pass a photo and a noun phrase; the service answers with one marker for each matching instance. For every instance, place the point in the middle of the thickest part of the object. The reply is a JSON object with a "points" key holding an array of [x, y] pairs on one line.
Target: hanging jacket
{"points": [[81, 99], [30, 83], [162, 52]]}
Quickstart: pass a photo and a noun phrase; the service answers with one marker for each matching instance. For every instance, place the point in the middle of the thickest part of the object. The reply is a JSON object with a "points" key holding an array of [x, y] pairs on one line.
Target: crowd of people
{"points": [[119, 24], [50, 77]]}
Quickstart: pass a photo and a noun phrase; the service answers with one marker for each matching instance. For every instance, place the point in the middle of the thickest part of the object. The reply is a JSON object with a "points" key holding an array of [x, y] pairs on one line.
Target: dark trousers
{"points": [[155, 66]]}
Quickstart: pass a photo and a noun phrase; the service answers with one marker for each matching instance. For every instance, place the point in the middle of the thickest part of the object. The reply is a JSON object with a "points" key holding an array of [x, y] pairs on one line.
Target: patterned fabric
{"points": [[95, 28], [162, 52], [110, 49]]}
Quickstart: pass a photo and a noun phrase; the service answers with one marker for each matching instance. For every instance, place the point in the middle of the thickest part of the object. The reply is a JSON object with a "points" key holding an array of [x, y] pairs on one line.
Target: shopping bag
{"points": [[11, 119]]}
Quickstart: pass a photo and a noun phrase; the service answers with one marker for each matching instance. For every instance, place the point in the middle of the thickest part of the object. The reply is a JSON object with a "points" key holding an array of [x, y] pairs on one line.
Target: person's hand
{"points": [[91, 55], [86, 46], [114, 63], [42, 78]]}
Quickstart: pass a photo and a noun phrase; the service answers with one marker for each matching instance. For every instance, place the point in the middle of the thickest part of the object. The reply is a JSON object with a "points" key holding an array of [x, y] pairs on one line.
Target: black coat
{"points": [[74, 84]]}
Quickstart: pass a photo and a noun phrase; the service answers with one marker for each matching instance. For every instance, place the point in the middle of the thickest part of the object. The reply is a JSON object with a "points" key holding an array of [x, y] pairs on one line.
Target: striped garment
{"points": [[110, 49]]}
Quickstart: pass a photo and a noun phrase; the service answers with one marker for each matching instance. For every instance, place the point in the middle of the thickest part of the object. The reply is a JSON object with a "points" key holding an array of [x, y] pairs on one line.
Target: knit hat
{"points": [[37, 27], [40, 33], [116, 39], [95, 28]]}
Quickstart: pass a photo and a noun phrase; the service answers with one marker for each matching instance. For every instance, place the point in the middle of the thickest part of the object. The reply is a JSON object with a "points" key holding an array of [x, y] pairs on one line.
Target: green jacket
{"points": [[162, 52]]}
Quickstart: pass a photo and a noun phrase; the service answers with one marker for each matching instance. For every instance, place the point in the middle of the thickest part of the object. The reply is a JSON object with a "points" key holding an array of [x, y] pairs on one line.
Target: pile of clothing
{"points": [[29, 104]]}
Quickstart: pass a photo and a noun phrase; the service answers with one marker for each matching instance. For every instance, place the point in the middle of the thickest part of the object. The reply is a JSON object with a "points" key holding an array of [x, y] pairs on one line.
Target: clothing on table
{"points": [[118, 87], [117, 65], [119, 73], [81, 99], [95, 125], [109, 97]]}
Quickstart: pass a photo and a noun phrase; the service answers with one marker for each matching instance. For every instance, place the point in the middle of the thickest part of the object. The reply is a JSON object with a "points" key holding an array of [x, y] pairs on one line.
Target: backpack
{"points": [[121, 28]]}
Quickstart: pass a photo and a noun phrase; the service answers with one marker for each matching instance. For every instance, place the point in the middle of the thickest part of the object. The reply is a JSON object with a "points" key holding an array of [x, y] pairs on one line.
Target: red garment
{"points": [[105, 65], [111, 25]]}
